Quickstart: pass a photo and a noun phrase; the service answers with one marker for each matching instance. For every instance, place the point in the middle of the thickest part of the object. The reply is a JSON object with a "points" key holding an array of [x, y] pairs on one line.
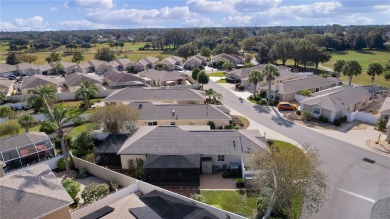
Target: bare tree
{"points": [[290, 174]]}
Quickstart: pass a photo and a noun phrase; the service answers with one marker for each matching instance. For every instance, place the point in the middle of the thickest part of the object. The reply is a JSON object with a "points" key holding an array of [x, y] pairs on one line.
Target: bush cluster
{"points": [[61, 163], [323, 119]]}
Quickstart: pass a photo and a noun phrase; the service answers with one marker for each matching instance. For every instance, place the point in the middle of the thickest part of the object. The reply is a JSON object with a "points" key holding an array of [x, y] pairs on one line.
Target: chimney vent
{"points": [[173, 112]]}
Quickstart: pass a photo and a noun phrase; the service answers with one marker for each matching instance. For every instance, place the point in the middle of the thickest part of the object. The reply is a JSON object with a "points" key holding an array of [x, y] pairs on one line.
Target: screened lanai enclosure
{"points": [[25, 150], [172, 170]]}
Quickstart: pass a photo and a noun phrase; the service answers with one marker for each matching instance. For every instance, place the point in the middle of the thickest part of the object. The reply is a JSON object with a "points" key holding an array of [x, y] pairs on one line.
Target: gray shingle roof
{"points": [[25, 66], [305, 82], [229, 57], [172, 161], [112, 143], [76, 79], [96, 63], [172, 60], [37, 80], [22, 139], [385, 108], [196, 58], [338, 98], [31, 193], [84, 65], [173, 140], [117, 77], [7, 68], [162, 75], [5, 83], [150, 111], [131, 94], [285, 72]]}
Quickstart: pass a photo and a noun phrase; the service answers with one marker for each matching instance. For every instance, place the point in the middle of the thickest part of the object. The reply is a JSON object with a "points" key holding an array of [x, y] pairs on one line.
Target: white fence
{"points": [[361, 116], [300, 97]]}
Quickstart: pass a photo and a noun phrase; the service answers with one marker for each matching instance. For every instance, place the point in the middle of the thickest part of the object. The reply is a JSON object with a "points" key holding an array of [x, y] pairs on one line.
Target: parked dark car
{"points": [[11, 77]]}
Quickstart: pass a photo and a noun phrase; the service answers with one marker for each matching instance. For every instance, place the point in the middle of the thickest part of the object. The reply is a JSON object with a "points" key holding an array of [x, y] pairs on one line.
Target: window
{"points": [[317, 110], [221, 157], [173, 123], [317, 89], [152, 123]]}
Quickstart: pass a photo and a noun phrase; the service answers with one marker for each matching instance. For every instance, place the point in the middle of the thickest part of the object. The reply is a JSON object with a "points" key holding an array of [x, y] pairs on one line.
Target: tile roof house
{"points": [[98, 66], [33, 193], [163, 78], [334, 102], [210, 149], [119, 64], [74, 80], [68, 67], [31, 82], [116, 79], [287, 89], [131, 94], [145, 63], [83, 67], [195, 61], [181, 114], [235, 59], [171, 61], [6, 86], [7, 70]]}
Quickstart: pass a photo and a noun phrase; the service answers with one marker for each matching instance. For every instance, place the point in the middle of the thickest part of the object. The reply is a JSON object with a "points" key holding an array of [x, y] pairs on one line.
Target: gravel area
{"points": [[381, 209]]}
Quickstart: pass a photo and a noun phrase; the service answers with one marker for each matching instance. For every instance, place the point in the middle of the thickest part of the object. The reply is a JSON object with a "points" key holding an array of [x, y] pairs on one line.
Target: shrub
{"points": [[47, 127], [240, 183], [79, 120], [263, 101], [211, 124], [306, 115], [72, 187], [323, 119], [381, 124], [226, 174], [114, 185], [9, 128], [61, 163], [199, 198], [343, 119], [263, 94], [6, 112], [139, 173], [82, 144], [298, 112], [94, 191], [337, 122], [231, 126], [241, 87], [305, 92], [82, 174]]}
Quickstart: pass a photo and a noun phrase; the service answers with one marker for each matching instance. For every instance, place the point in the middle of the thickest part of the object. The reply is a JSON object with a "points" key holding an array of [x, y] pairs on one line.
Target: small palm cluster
{"points": [[353, 68], [269, 73]]}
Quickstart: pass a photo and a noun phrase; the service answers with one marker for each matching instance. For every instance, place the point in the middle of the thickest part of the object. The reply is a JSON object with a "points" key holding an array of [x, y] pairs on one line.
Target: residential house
{"points": [[287, 89], [116, 79], [73, 81], [31, 82], [143, 94], [384, 111], [145, 63], [336, 102], [179, 114], [26, 69], [172, 61], [25, 149], [47, 69], [83, 67], [164, 78], [98, 66], [106, 152], [195, 61], [235, 59], [68, 67], [6, 87], [34, 192], [7, 70], [164, 148], [119, 64]]}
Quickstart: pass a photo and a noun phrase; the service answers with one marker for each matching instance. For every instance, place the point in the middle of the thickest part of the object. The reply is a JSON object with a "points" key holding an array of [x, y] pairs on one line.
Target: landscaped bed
{"points": [[239, 202]]}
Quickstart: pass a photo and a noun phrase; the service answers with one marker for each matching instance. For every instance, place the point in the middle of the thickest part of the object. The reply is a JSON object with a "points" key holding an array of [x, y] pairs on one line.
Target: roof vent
{"points": [[234, 144], [173, 112]]}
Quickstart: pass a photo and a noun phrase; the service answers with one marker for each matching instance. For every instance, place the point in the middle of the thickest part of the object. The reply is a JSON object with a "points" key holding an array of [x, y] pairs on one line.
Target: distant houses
{"points": [[195, 61], [33, 81]]}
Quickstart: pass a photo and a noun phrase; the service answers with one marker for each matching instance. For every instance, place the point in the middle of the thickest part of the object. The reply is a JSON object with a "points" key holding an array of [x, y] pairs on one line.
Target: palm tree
{"points": [[255, 77], [58, 67], [42, 94], [3, 96], [26, 121], [337, 66], [59, 117], [270, 72], [350, 69], [373, 70], [87, 90]]}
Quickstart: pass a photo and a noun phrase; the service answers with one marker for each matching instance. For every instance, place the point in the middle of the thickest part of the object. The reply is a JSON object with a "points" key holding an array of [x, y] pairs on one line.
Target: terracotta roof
{"points": [[37, 80]]}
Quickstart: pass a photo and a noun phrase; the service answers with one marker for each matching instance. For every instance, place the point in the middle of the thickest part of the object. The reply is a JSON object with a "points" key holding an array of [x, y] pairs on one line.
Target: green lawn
{"points": [[221, 81], [77, 130], [364, 57], [217, 74], [233, 201]]}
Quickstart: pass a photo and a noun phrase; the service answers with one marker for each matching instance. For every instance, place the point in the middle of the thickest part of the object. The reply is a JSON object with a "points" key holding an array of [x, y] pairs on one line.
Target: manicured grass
{"points": [[365, 58], [234, 201], [217, 74], [244, 121], [85, 127], [222, 81]]}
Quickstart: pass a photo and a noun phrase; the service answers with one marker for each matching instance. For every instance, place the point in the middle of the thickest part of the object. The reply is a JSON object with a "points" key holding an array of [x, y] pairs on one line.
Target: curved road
{"points": [[354, 185]]}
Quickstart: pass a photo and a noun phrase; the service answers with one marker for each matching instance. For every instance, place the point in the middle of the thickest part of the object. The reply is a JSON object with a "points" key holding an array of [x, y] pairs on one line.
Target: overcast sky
{"points": [[22, 15]]}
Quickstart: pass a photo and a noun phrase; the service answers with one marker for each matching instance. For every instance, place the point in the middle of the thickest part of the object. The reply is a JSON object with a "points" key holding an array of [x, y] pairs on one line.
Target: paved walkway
{"points": [[215, 181]]}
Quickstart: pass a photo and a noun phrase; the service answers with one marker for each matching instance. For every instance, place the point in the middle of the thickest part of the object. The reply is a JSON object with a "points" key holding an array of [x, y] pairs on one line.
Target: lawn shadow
{"points": [[340, 52], [365, 52], [262, 109]]}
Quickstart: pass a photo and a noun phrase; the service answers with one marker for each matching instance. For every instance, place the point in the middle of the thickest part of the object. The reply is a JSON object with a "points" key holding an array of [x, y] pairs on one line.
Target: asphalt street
{"points": [[354, 184]]}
